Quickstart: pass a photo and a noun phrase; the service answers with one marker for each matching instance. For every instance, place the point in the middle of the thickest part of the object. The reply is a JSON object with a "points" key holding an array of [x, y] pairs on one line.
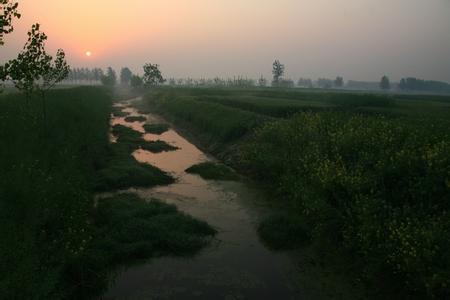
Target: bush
{"points": [[283, 231], [214, 171], [378, 186]]}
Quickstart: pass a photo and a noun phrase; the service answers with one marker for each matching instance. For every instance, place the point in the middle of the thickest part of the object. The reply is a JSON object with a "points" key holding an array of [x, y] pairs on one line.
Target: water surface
{"points": [[236, 265]]}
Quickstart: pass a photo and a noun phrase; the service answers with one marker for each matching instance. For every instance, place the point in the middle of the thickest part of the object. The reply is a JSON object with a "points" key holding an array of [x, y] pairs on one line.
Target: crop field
{"points": [[369, 174]]}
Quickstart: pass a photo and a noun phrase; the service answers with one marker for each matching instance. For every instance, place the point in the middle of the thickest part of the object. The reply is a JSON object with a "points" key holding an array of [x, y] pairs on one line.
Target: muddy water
{"points": [[236, 265]]}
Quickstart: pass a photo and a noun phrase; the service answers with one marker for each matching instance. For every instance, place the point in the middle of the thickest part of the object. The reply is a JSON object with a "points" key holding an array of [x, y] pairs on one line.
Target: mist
{"points": [[357, 39]]}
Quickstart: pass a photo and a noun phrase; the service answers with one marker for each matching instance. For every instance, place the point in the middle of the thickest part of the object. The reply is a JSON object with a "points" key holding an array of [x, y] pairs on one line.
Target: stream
{"points": [[236, 265]]}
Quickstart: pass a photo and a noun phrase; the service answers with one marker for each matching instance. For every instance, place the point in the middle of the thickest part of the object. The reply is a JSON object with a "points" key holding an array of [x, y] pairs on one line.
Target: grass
{"points": [[123, 171], [213, 171], [56, 244], [132, 119], [366, 173], [156, 128], [134, 140], [219, 122], [157, 146], [118, 112], [45, 190], [282, 231], [128, 229], [128, 136]]}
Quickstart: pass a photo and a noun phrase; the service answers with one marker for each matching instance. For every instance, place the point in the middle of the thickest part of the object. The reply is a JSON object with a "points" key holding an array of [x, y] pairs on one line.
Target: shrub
{"points": [[379, 186]]}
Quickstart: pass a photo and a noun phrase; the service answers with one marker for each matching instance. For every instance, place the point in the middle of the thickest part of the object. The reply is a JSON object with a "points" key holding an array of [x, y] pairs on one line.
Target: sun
{"points": [[88, 53]]}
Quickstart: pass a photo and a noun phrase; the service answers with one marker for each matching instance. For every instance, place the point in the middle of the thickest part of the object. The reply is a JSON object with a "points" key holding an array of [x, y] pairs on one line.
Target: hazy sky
{"points": [[359, 39]]}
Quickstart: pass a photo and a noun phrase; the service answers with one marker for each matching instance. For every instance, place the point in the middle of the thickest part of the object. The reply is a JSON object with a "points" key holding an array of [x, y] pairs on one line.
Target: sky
{"points": [[357, 39]]}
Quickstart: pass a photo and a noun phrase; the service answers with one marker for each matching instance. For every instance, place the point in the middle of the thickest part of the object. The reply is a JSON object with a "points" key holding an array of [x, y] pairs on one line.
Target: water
{"points": [[236, 265]]}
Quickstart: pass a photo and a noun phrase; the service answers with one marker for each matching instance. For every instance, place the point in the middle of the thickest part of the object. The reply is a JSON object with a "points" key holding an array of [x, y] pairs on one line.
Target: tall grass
{"points": [[223, 123], [45, 191], [375, 186], [378, 187]]}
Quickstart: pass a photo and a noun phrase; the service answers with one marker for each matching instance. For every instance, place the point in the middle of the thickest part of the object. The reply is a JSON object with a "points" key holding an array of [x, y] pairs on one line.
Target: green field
{"points": [[57, 243], [369, 174]]}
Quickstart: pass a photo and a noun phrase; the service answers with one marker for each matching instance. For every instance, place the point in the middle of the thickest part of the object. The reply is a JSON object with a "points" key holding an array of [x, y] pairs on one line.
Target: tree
{"points": [[125, 76], [35, 70], [262, 82], [339, 82], [325, 83], [136, 81], [8, 11], [278, 72], [54, 73], [305, 83], [152, 75], [30, 65], [385, 84], [110, 79]]}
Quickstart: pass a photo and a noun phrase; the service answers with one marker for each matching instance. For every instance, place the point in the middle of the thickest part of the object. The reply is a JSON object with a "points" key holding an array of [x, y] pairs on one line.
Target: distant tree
{"points": [[180, 81], [277, 71], [152, 75], [415, 84], [136, 81], [286, 83], [325, 83], [385, 84], [339, 82], [110, 79], [172, 82], [305, 83], [8, 11], [402, 84], [125, 76], [262, 82]]}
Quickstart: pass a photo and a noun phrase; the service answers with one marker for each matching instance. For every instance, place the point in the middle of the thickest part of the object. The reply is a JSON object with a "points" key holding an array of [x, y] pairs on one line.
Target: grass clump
{"points": [[157, 146], [123, 171], [132, 119], [131, 228], [283, 231], [126, 135], [156, 128], [213, 171], [118, 112], [127, 229], [133, 140]]}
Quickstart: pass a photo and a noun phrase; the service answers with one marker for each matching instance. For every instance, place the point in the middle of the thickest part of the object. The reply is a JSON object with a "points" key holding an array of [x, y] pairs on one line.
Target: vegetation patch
{"points": [[156, 128], [157, 146], [126, 135], [370, 184], [124, 171], [132, 119], [128, 229], [118, 112], [45, 187], [283, 231], [213, 171]]}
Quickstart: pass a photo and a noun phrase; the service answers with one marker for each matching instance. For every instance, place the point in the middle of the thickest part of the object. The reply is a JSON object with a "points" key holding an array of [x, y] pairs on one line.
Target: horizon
{"points": [[196, 39]]}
